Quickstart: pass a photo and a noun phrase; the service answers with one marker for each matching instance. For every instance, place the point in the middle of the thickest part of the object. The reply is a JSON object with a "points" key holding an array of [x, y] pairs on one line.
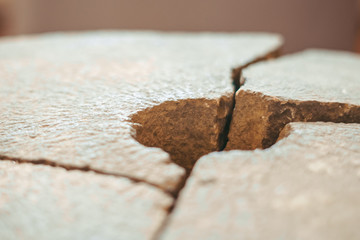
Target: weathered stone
{"points": [[314, 85], [306, 186], [187, 129], [43, 202], [69, 99]]}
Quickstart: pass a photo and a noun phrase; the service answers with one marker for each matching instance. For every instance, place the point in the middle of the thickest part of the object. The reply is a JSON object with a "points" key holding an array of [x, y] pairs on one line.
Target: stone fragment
{"points": [[306, 186], [43, 202], [314, 85], [72, 99]]}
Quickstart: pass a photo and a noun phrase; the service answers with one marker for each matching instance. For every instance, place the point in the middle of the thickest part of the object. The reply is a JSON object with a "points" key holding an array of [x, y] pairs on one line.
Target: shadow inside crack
{"points": [[186, 129]]}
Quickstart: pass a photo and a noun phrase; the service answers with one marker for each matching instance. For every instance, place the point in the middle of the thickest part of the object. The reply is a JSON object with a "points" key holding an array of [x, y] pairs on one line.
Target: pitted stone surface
{"points": [[314, 85], [43, 202], [306, 186], [68, 98]]}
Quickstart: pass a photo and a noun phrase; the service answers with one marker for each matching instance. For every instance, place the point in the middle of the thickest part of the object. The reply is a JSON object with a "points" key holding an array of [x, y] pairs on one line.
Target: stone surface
{"points": [[43, 202], [314, 85], [306, 186], [69, 98]]}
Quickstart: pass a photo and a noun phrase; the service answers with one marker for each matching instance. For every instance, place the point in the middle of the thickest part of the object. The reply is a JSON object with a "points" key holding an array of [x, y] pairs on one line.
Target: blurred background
{"points": [[333, 24]]}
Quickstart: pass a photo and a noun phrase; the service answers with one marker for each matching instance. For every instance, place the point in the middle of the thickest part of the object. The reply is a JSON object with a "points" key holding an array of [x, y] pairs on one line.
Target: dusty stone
{"points": [[314, 85], [72, 99], [43, 202], [306, 186]]}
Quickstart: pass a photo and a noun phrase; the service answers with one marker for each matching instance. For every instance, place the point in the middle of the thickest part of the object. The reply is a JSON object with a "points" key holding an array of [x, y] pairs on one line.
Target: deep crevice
{"points": [[186, 129], [237, 82]]}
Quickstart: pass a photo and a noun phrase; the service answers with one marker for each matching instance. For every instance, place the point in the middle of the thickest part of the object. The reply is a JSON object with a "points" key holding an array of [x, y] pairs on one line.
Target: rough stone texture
{"points": [[186, 129], [314, 85], [43, 202], [306, 186], [69, 98]]}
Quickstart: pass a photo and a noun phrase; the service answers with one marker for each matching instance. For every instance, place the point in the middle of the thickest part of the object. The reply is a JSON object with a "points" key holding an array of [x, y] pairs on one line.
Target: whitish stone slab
{"points": [[42, 202], [306, 186]]}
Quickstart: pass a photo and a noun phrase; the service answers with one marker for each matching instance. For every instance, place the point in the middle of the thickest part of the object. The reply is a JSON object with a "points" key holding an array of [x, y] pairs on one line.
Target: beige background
{"points": [[304, 23]]}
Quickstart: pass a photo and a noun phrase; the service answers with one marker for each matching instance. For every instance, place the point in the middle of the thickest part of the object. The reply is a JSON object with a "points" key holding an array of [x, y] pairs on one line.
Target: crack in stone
{"points": [[186, 129], [84, 169], [237, 72], [190, 128], [267, 117], [163, 131]]}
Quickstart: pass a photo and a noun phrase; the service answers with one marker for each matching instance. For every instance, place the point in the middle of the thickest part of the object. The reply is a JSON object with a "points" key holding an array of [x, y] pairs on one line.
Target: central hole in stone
{"points": [[186, 129]]}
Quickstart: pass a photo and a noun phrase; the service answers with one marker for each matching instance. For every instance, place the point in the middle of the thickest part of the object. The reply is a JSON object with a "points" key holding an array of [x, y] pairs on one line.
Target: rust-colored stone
{"points": [[187, 129]]}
